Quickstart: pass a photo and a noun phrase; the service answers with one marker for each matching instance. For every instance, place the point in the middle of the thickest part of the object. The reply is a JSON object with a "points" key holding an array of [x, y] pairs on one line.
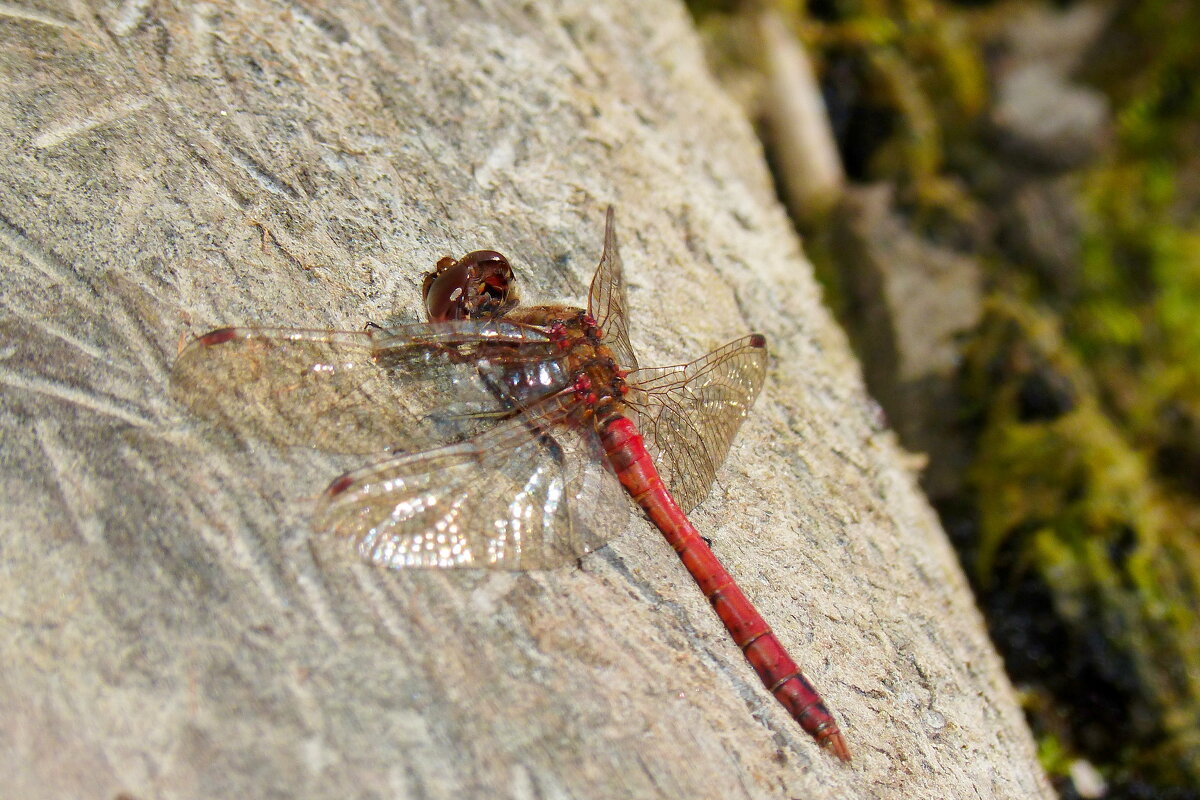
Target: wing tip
{"points": [[610, 232], [219, 336], [339, 485]]}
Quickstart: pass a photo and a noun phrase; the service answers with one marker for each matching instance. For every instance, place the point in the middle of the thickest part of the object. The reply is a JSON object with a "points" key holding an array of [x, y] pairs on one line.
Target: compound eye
{"points": [[495, 283], [445, 292], [477, 286]]}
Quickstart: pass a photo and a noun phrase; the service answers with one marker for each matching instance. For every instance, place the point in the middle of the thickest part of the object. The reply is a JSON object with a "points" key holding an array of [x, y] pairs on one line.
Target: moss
{"points": [[1085, 394], [1054, 758], [1074, 500], [907, 64]]}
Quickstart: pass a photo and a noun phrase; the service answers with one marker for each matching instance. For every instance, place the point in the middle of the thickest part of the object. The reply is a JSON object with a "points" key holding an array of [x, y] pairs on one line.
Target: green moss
{"points": [[1072, 499], [1054, 758], [913, 63], [1086, 395]]}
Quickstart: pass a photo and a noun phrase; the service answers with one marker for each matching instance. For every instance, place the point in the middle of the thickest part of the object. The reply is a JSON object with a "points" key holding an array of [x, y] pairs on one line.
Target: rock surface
{"points": [[911, 301], [172, 628], [1042, 117]]}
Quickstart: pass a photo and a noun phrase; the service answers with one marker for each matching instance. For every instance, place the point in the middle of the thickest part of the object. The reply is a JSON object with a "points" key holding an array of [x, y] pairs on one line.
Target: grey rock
{"points": [[1042, 119], [1042, 226], [912, 302], [170, 626]]}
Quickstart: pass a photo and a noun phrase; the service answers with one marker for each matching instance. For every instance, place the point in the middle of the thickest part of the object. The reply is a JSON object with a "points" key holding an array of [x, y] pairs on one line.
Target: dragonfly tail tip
{"points": [[837, 745]]}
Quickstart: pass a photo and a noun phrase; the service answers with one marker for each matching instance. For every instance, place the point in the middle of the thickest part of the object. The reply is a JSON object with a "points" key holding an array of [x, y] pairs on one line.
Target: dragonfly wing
{"points": [[533, 492], [689, 414], [413, 386], [607, 302]]}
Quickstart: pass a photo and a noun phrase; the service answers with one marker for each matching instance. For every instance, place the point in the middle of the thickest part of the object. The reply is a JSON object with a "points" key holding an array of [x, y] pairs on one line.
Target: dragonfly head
{"points": [[477, 286]]}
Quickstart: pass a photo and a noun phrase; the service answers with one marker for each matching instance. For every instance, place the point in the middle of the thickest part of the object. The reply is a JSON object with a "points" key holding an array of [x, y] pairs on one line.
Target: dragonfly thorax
{"points": [[597, 380]]}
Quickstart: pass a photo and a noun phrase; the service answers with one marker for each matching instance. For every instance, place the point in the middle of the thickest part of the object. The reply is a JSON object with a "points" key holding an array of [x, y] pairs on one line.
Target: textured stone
{"points": [[1041, 116], [911, 302], [169, 625]]}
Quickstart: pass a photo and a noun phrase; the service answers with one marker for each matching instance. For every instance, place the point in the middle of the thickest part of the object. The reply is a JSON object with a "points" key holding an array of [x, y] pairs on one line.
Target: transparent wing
{"points": [[606, 299], [534, 492], [689, 414], [413, 386]]}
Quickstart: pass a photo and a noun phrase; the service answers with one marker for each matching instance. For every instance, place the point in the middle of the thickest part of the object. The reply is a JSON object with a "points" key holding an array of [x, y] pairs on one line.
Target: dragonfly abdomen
{"points": [[635, 469]]}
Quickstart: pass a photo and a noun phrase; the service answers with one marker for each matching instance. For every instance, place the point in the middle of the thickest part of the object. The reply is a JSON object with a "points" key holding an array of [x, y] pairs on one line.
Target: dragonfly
{"points": [[505, 436]]}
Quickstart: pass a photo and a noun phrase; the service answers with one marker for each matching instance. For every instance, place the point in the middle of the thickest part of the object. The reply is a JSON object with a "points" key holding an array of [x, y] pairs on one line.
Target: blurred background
{"points": [[1003, 202]]}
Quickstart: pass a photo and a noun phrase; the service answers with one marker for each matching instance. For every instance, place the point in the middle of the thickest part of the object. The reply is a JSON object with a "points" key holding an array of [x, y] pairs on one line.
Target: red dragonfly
{"points": [[511, 435]]}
